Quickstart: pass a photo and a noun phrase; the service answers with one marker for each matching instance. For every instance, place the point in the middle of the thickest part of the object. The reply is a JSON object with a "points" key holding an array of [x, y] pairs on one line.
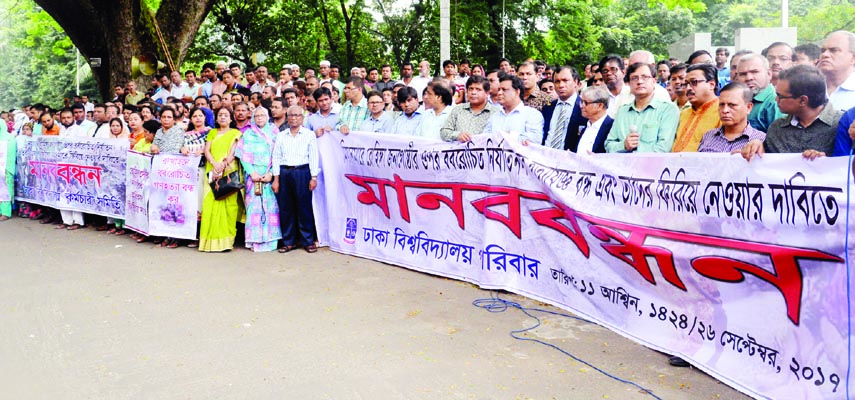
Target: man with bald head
{"points": [[625, 96], [753, 71], [837, 63]]}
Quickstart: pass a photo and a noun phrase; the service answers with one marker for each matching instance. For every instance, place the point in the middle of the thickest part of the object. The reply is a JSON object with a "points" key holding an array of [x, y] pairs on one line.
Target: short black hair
{"points": [[234, 65], [698, 53], [612, 57], [406, 93], [806, 80], [448, 62], [441, 90], [812, 51], [709, 70], [484, 82], [320, 92], [516, 83]]}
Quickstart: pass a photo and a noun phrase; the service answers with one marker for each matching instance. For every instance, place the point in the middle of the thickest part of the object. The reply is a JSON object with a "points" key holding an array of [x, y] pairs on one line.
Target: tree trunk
{"points": [[117, 30]]}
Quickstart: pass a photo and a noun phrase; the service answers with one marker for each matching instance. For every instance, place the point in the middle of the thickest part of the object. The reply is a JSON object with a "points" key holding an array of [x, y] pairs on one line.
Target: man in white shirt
{"points": [[595, 100], [513, 116], [73, 220], [295, 176]]}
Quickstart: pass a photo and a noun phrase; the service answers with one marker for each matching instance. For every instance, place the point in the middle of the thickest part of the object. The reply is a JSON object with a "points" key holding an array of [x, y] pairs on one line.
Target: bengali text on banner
{"points": [[738, 268], [173, 203], [80, 174]]}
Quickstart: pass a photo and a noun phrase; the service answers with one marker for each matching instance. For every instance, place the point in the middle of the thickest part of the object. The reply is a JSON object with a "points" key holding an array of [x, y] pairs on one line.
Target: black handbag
{"points": [[227, 185]]}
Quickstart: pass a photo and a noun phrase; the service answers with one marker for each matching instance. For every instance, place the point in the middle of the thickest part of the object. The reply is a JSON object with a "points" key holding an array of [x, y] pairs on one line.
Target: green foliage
{"points": [[44, 70]]}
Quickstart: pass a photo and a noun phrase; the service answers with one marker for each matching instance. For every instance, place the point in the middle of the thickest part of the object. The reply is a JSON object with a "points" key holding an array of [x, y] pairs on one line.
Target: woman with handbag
{"points": [[221, 208], [255, 151]]}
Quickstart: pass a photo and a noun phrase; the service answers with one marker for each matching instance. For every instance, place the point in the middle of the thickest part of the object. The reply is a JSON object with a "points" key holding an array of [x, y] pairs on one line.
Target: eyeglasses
{"points": [[585, 102], [695, 83], [639, 78], [780, 96], [779, 58], [295, 115]]}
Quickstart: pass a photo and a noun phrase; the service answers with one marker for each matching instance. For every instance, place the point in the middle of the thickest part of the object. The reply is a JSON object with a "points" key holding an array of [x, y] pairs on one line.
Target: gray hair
{"points": [[754, 56], [596, 94], [849, 35]]}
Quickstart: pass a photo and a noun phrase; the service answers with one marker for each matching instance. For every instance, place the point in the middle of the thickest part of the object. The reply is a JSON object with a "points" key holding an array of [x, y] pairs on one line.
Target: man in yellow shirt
{"points": [[701, 82]]}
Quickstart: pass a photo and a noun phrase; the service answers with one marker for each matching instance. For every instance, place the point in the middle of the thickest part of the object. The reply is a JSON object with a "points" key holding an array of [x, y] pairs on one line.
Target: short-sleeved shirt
{"points": [[714, 140]]}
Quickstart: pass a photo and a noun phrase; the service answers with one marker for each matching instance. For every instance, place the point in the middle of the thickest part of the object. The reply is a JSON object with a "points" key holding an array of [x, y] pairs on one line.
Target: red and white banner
{"points": [[739, 268]]}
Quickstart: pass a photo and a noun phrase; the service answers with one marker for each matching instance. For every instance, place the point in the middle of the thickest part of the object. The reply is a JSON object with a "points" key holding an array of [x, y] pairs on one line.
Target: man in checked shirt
{"points": [[734, 105]]}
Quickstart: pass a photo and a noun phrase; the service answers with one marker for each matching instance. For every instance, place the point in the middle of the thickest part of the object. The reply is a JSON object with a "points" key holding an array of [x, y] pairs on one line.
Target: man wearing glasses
{"points": [[811, 123], [356, 110], [378, 121], [701, 80], [780, 56], [592, 137], [648, 124]]}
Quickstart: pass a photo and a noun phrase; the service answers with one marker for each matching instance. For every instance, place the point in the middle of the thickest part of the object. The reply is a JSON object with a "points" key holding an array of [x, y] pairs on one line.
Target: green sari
{"points": [[6, 206], [220, 217]]}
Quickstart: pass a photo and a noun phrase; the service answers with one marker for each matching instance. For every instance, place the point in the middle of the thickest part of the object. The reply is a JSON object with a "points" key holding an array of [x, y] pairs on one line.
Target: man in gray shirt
{"points": [[811, 122]]}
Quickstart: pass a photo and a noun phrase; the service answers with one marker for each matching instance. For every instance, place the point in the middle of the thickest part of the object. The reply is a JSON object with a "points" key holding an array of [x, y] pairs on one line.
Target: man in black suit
{"points": [[592, 136], [562, 118]]}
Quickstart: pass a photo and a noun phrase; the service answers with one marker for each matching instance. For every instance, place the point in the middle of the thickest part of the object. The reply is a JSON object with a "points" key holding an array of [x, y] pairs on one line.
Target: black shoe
{"points": [[678, 362]]}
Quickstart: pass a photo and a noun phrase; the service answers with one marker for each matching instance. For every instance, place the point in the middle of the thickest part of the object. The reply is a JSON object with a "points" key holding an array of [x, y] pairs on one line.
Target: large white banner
{"points": [[738, 268]]}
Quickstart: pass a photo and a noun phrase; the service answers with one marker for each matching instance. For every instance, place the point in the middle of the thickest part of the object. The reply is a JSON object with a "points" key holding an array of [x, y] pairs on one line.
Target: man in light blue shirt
{"points": [[513, 116], [378, 121], [408, 122], [325, 120]]}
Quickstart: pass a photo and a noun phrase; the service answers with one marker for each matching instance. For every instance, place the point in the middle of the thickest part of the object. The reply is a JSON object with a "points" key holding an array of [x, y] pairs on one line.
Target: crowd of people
{"points": [[781, 100]]}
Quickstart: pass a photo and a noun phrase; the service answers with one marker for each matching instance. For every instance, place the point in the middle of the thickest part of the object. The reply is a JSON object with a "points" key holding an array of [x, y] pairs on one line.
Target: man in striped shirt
{"points": [[295, 176]]}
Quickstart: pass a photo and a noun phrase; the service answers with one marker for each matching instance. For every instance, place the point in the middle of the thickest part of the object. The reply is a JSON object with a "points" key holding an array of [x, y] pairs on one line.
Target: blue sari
{"points": [[255, 151]]}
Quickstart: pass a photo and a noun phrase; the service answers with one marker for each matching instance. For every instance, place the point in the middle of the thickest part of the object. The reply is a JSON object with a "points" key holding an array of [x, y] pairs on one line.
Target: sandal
{"points": [[134, 236], [194, 244], [61, 226], [287, 248], [112, 231], [102, 228], [165, 243], [157, 240], [74, 227], [142, 239], [119, 232], [312, 248], [173, 244], [4, 218]]}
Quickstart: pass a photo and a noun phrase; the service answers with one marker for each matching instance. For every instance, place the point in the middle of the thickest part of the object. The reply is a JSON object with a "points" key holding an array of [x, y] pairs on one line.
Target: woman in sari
{"points": [[220, 217], [194, 145], [117, 131], [255, 151], [168, 140], [11, 145]]}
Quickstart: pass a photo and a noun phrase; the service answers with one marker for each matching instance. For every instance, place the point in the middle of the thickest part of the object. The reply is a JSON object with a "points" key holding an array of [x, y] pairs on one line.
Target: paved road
{"points": [[84, 315]]}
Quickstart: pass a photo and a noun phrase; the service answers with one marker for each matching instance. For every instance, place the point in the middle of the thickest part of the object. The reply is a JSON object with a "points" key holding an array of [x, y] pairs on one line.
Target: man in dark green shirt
{"points": [[753, 70]]}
